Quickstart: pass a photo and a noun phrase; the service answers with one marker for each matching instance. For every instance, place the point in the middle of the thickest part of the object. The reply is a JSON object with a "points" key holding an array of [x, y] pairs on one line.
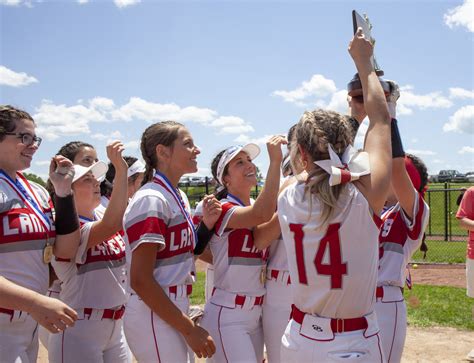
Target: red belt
{"points": [[379, 292], [337, 325], [174, 289], [108, 313], [274, 275], [240, 299]]}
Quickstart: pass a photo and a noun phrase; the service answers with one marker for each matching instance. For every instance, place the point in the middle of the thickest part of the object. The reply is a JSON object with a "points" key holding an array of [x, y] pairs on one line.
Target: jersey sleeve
{"points": [[466, 208], [146, 222], [416, 226], [227, 210], [197, 215]]}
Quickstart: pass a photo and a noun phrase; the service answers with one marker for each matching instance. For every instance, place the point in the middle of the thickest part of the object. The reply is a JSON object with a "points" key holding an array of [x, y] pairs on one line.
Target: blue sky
{"points": [[233, 71]]}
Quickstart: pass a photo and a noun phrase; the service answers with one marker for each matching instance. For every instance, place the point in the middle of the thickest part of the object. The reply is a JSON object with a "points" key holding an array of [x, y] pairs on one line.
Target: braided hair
{"points": [[160, 133], [315, 131]]}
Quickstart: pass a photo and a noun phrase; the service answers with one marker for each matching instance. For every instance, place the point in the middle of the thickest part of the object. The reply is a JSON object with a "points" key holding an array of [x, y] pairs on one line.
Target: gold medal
{"points": [[47, 253], [263, 274]]}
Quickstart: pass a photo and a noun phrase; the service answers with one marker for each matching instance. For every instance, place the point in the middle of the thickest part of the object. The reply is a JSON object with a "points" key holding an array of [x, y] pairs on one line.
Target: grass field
{"points": [[439, 306], [443, 252]]}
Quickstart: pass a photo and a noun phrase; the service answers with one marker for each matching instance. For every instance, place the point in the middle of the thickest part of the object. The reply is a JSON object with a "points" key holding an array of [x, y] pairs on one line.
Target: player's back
{"points": [[333, 268]]}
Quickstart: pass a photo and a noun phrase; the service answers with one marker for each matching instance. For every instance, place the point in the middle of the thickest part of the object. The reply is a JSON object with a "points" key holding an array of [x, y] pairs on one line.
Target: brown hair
{"points": [[161, 133], [9, 115], [221, 190], [107, 184], [314, 132]]}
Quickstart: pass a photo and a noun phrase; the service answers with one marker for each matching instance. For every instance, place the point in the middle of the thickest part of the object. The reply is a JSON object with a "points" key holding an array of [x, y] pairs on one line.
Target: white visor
{"points": [[98, 170], [136, 167], [251, 149]]}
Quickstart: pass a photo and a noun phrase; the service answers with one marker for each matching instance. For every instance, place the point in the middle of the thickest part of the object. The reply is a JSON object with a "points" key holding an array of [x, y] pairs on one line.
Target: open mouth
{"points": [[28, 156], [250, 174]]}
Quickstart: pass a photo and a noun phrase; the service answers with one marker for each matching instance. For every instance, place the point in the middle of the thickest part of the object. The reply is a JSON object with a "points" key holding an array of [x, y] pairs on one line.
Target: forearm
{"points": [[403, 186], [206, 256], [265, 205], [467, 223], [203, 235], [66, 245], [118, 201], [266, 233], [16, 297]]}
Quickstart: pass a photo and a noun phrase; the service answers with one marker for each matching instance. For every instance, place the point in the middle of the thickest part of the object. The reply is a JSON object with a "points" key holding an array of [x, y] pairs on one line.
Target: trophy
{"points": [[354, 87]]}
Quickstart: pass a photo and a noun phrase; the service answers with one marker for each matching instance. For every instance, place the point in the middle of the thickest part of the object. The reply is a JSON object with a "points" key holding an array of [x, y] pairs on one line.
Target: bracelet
{"points": [[66, 217], [397, 146], [204, 235]]}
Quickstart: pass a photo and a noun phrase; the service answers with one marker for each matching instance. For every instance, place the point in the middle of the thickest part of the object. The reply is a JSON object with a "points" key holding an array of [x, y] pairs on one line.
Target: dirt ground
{"points": [[422, 344]]}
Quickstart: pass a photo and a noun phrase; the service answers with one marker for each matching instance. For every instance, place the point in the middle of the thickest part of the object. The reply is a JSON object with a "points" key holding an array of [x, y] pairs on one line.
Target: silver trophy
{"points": [[354, 87]]}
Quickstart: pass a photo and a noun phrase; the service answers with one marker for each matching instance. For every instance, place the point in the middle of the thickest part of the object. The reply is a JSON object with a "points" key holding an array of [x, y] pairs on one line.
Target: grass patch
{"points": [[439, 306], [443, 251], [197, 297]]}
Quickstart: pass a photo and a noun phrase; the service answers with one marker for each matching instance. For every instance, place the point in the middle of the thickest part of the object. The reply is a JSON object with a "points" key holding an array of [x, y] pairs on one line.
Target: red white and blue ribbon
{"points": [[232, 198], [162, 180], [350, 167]]}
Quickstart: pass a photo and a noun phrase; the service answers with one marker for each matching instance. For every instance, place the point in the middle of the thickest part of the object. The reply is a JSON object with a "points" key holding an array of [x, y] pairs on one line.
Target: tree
{"points": [[35, 178]]}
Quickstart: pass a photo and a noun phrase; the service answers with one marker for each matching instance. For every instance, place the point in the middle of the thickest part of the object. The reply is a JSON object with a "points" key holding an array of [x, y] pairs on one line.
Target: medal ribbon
{"points": [[19, 186], [162, 180], [235, 200]]}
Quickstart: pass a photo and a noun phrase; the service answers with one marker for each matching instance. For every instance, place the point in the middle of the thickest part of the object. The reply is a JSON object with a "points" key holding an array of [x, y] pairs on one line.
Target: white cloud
{"points": [[409, 100], [132, 145], [43, 162], [317, 86], [81, 2], [438, 161], [461, 15], [231, 125], [461, 121], [245, 139], [338, 102], [421, 152], [125, 3], [466, 150], [10, 2], [14, 79], [461, 93], [101, 103], [115, 135]]}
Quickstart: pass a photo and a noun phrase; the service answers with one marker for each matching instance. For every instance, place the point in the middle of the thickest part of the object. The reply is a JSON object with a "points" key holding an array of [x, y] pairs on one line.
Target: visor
{"points": [[251, 149], [98, 170], [136, 167]]}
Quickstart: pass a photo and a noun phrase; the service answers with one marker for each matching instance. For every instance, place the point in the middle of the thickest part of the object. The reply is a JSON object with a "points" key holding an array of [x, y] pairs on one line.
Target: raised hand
{"points": [[53, 314], [274, 148], [211, 209], [360, 48], [61, 173], [114, 153]]}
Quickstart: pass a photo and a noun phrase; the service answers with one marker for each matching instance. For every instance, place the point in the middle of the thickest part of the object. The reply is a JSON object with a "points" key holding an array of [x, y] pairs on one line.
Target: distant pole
{"points": [[445, 211], [207, 186]]}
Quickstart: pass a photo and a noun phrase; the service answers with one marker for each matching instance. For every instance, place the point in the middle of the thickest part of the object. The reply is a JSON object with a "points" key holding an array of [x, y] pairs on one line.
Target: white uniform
{"points": [[209, 283], [278, 299], [399, 239], [53, 292], [155, 215], [24, 234], [333, 269], [233, 314], [95, 284]]}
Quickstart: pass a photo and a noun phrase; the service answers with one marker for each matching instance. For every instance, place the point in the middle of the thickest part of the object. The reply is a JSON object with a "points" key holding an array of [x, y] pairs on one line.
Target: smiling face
{"points": [[241, 172], [86, 156], [86, 193], [183, 153], [19, 154]]}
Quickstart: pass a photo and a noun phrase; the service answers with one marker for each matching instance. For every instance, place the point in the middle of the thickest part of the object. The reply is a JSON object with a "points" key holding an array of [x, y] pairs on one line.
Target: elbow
{"points": [[65, 246], [139, 281]]}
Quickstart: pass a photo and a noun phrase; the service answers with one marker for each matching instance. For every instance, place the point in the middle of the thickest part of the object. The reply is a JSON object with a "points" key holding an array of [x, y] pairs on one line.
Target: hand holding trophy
{"points": [[354, 87]]}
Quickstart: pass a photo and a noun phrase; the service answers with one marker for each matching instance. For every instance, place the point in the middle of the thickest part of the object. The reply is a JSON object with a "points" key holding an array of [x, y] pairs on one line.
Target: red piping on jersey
{"points": [[62, 347], [154, 337], [220, 334], [380, 349]]}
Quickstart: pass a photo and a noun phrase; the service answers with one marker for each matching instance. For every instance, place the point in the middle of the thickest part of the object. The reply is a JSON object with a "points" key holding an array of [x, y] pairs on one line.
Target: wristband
{"points": [[203, 237], [397, 146], [66, 217]]}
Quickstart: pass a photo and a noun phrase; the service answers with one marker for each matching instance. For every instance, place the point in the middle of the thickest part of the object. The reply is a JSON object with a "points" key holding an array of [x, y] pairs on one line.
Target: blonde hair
{"points": [[161, 133], [314, 132]]}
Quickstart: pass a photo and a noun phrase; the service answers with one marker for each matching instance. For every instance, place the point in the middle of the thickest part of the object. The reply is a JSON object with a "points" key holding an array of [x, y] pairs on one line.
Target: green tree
{"points": [[35, 178]]}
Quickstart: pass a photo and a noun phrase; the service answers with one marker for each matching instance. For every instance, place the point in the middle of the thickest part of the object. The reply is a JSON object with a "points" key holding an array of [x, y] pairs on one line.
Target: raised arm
{"points": [[111, 223], [377, 142], [265, 204]]}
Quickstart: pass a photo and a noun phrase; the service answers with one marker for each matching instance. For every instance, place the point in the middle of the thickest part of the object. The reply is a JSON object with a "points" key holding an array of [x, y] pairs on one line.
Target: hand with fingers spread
{"points": [[360, 48], [114, 153], [274, 148], [211, 209], [200, 342], [61, 173], [53, 314]]}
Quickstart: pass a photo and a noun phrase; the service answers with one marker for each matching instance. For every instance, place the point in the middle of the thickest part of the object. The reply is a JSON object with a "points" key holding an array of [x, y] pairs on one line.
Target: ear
{"points": [[305, 159], [163, 152]]}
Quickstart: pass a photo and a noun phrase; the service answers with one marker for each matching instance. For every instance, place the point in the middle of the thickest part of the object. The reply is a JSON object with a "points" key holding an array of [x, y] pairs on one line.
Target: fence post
{"points": [[429, 220], [207, 186], [445, 211]]}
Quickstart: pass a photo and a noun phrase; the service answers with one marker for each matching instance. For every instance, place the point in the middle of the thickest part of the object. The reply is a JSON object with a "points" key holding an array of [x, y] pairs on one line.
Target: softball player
{"points": [[95, 282], [160, 238], [332, 260], [28, 238], [233, 313]]}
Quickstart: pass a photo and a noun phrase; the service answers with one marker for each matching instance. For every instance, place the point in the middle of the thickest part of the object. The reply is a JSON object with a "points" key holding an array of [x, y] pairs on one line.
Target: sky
{"points": [[232, 71]]}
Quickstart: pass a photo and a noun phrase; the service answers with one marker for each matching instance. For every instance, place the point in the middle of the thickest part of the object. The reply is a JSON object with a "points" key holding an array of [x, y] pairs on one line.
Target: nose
{"points": [[197, 150]]}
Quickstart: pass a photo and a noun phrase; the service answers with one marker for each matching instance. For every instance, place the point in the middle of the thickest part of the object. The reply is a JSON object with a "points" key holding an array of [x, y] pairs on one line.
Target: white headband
{"points": [[136, 167]]}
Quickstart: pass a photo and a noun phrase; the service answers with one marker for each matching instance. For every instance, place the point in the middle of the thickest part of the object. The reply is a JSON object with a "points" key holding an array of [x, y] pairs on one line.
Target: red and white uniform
{"points": [[24, 233], [399, 237], [333, 269], [233, 314], [466, 210], [209, 283], [95, 284], [156, 215], [278, 299]]}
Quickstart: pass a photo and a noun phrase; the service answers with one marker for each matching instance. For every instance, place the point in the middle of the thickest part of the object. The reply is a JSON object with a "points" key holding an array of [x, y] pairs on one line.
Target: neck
{"points": [[10, 173], [243, 195], [83, 210], [172, 176]]}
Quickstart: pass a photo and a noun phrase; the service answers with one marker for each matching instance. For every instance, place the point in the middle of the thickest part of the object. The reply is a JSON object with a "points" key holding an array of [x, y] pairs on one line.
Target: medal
{"points": [[263, 274], [47, 253]]}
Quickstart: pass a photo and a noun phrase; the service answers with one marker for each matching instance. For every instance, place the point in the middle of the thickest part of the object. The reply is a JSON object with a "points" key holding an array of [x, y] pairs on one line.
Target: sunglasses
{"points": [[26, 139]]}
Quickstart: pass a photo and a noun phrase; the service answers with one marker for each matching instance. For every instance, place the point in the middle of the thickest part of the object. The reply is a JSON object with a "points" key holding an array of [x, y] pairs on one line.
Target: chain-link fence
{"points": [[445, 238]]}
